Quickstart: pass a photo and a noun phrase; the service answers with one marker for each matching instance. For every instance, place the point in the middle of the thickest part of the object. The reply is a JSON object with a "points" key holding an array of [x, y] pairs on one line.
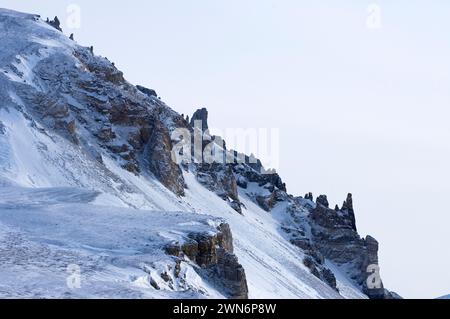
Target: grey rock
{"points": [[328, 277], [251, 175], [202, 116], [146, 91], [220, 179], [160, 161], [347, 207], [266, 202], [55, 23], [321, 272], [232, 275], [106, 134], [214, 254], [242, 182], [335, 236], [323, 200], [237, 206]]}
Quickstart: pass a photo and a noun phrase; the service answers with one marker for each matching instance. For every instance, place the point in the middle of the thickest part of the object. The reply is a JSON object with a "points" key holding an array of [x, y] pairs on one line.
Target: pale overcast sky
{"points": [[361, 110]]}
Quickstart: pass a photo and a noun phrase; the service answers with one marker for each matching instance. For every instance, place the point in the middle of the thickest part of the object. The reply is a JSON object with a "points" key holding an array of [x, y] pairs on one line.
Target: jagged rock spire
{"points": [[55, 23], [323, 200], [200, 115]]}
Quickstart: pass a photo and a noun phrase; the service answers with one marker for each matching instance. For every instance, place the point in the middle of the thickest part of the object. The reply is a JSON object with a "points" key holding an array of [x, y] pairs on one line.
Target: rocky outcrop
{"points": [[323, 201], [124, 119], [321, 272], [327, 218], [247, 173], [214, 254], [202, 116], [100, 67], [146, 91], [335, 237], [347, 208], [160, 162], [220, 179]]}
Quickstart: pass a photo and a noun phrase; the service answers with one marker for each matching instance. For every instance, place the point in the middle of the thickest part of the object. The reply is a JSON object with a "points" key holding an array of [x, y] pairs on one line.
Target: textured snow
{"points": [[59, 206], [118, 251]]}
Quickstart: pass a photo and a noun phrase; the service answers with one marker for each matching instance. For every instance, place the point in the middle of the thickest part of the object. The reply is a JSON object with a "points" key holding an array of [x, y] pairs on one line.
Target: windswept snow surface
{"points": [[117, 252], [60, 207]]}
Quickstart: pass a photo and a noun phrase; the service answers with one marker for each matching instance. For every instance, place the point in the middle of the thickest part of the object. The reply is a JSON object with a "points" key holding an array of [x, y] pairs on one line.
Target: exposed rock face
{"points": [[249, 174], [266, 202], [200, 115], [323, 200], [2, 128], [329, 234], [325, 217], [146, 91], [220, 179], [160, 161], [125, 122], [101, 67], [214, 253], [274, 190], [335, 236], [347, 207], [232, 275], [223, 178], [321, 272], [55, 23]]}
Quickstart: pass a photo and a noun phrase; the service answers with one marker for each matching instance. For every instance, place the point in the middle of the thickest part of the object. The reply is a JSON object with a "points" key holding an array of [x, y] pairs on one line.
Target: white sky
{"points": [[359, 110]]}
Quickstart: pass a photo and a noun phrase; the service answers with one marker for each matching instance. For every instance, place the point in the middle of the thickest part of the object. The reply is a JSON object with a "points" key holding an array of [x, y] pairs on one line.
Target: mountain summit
{"points": [[94, 204]]}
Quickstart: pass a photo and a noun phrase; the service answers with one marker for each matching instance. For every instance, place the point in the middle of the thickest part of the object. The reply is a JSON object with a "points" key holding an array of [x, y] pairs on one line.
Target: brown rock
{"points": [[160, 161]]}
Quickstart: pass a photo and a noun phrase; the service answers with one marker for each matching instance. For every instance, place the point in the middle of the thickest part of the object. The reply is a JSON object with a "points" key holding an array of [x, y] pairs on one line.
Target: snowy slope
{"points": [[274, 267], [59, 205]]}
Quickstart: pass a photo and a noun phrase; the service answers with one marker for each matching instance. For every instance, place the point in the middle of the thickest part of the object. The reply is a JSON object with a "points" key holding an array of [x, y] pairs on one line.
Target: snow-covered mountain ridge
{"points": [[87, 179]]}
